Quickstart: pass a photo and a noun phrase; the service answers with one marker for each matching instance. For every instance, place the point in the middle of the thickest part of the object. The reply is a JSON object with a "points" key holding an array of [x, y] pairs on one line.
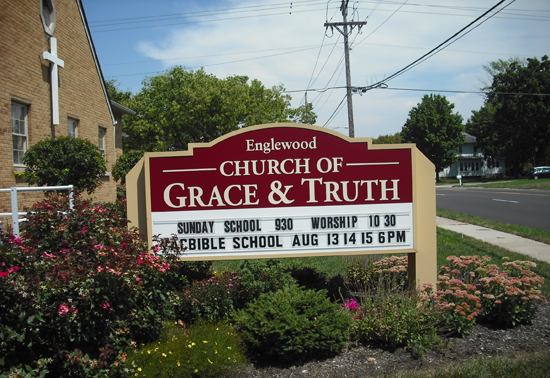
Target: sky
{"points": [[287, 43]]}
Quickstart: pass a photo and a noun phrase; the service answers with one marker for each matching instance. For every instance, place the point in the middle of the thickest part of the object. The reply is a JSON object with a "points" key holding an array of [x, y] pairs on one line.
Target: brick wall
{"points": [[25, 78]]}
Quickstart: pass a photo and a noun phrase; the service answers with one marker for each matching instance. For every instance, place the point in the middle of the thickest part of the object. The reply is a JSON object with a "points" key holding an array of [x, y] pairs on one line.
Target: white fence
{"points": [[14, 208]]}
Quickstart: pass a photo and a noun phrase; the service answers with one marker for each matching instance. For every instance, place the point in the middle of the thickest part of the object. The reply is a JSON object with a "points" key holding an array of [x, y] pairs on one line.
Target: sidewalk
{"points": [[528, 247]]}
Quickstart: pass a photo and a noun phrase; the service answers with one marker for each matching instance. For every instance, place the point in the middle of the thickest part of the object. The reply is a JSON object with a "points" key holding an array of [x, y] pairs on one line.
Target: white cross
{"points": [[52, 57]]}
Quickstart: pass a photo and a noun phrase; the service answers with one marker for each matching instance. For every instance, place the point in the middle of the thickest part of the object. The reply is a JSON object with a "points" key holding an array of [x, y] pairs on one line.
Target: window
{"points": [[461, 166], [101, 141], [477, 165], [498, 163], [19, 131], [459, 149], [475, 150], [47, 14], [72, 127]]}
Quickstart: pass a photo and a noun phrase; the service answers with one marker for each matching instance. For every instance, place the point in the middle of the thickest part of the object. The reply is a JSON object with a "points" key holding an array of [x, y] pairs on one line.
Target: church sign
{"points": [[285, 190]]}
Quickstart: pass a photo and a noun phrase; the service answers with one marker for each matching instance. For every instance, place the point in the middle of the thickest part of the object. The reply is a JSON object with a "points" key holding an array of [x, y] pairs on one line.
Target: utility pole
{"points": [[346, 32]]}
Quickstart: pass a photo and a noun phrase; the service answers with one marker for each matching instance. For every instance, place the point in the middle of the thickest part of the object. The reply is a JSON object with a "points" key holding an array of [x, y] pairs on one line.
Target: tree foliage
{"points": [[124, 164], [514, 121], [388, 139], [182, 107], [435, 129], [116, 94], [65, 161]]}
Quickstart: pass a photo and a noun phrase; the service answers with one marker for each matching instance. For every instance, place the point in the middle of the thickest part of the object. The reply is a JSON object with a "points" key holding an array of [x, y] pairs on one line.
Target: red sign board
{"points": [[279, 189], [280, 167]]}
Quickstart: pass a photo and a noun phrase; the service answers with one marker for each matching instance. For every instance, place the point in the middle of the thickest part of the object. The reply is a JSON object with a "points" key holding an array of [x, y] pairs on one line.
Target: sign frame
{"points": [[422, 256]]}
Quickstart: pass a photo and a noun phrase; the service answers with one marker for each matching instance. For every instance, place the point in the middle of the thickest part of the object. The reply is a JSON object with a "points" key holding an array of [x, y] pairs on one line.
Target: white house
{"points": [[471, 162]]}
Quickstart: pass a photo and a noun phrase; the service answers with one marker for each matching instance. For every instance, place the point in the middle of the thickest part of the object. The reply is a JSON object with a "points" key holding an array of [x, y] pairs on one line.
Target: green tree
{"points": [[435, 129], [65, 161], [514, 121], [388, 139], [182, 107], [116, 94], [124, 164]]}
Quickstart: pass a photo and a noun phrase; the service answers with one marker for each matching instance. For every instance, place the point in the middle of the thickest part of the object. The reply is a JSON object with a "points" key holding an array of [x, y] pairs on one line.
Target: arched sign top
{"points": [[282, 190], [280, 166]]}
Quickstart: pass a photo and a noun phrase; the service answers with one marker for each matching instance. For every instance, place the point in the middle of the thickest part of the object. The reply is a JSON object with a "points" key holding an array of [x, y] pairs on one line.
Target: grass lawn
{"points": [[535, 365], [448, 243], [541, 184], [469, 180], [523, 231]]}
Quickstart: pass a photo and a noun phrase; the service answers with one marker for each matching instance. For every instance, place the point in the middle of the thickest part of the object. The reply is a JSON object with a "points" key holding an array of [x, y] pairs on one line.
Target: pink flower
{"points": [[156, 248], [98, 246], [138, 279], [49, 255], [63, 309], [16, 240], [84, 229]]}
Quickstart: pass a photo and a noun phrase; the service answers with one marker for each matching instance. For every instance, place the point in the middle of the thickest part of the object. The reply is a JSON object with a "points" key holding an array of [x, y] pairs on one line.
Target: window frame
{"points": [[49, 27], [76, 124], [24, 135], [101, 137]]}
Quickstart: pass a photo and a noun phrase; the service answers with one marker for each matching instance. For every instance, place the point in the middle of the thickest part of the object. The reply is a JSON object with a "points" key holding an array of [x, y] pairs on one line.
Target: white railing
{"points": [[14, 208]]}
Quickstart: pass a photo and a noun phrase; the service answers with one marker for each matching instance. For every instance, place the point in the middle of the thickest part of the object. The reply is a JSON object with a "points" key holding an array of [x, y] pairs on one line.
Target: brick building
{"points": [[45, 42]]}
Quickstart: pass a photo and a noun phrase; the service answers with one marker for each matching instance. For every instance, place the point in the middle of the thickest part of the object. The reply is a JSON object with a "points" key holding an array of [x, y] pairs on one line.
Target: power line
{"points": [[218, 64], [379, 26], [335, 111], [300, 48], [457, 91], [436, 49], [171, 16], [203, 21]]}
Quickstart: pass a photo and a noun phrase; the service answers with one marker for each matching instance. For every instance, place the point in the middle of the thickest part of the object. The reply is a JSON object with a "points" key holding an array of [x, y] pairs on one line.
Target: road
{"points": [[521, 207]]}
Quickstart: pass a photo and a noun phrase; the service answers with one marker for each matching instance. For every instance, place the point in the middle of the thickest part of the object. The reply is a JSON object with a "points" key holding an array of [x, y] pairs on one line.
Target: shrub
{"points": [[359, 272], [312, 279], [457, 302], [77, 288], [469, 287], [124, 164], [511, 297], [397, 319], [389, 273], [202, 350], [65, 161], [211, 299], [257, 277], [293, 324]]}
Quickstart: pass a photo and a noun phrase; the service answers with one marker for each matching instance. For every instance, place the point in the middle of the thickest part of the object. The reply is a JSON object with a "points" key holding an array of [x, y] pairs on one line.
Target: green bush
{"points": [[77, 288], [202, 350], [65, 161], [388, 274], [293, 324], [261, 276], [124, 164], [398, 319], [211, 300], [360, 272], [312, 279]]}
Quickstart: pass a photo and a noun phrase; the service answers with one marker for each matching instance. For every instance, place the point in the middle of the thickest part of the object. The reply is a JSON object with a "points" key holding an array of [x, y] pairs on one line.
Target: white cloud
{"points": [[459, 67]]}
